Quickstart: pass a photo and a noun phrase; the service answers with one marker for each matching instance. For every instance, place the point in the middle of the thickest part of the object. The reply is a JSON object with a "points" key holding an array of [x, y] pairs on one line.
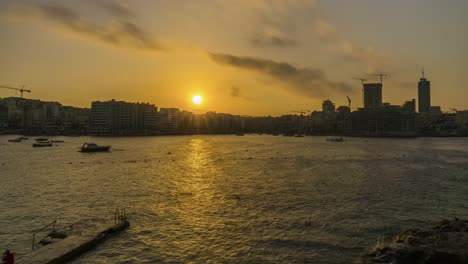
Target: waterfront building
{"points": [[372, 95], [328, 108], [410, 106], [461, 120], [122, 118], [3, 117], [329, 125], [75, 120], [387, 120], [343, 119], [146, 118], [424, 95], [168, 120], [316, 122]]}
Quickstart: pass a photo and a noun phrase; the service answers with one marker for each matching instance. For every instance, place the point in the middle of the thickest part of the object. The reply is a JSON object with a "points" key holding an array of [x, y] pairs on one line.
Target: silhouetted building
{"points": [[372, 95], [410, 106], [435, 111], [328, 107], [461, 119], [122, 118], [387, 120], [75, 120], [343, 119], [424, 95], [168, 120], [3, 117], [316, 122]]}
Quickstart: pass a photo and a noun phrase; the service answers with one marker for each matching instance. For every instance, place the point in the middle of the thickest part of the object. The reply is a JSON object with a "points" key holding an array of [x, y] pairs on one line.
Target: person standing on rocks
{"points": [[8, 257]]}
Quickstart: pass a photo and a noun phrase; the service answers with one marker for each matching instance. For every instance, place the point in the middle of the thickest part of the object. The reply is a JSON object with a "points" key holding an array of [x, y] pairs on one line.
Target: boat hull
{"points": [[41, 145], [96, 149]]}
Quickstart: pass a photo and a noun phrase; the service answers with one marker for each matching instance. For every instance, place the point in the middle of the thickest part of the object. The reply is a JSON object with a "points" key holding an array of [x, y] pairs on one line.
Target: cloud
{"points": [[306, 81], [273, 38], [326, 31], [275, 21], [372, 58], [116, 8], [118, 32], [235, 91]]}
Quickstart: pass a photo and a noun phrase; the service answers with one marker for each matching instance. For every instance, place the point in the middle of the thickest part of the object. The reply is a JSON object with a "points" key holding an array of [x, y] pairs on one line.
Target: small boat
{"points": [[42, 139], [23, 138], [15, 140], [335, 139], [57, 141], [42, 144], [92, 147], [298, 135]]}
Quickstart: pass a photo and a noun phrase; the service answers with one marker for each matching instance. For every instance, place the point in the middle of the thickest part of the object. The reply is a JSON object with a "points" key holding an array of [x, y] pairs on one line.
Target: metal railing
{"points": [[43, 229], [120, 215]]}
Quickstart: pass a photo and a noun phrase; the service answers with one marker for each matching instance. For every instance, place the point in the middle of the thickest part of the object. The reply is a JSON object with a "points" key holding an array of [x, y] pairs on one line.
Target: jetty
{"points": [[64, 245]]}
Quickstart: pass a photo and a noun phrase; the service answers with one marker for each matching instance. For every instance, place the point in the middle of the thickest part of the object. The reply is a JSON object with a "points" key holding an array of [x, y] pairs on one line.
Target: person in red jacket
{"points": [[8, 257]]}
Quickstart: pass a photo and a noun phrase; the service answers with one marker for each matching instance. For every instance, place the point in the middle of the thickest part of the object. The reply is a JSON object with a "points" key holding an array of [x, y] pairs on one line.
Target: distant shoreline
{"points": [[227, 134]]}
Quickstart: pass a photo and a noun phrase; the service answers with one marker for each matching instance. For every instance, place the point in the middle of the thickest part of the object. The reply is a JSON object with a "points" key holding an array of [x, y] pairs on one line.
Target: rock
{"points": [[446, 243]]}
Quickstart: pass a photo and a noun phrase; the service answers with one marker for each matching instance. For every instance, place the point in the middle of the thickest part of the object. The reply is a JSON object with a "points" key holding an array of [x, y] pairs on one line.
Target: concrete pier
{"points": [[74, 240]]}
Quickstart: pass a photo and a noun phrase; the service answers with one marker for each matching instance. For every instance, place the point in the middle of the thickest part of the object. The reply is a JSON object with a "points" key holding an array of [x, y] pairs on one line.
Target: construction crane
{"points": [[381, 75], [302, 112], [362, 81], [349, 103], [301, 128], [16, 89]]}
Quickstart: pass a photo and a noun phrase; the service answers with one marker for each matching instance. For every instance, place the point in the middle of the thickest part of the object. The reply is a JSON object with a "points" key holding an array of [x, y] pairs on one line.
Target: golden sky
{"points": [[250, 57]]}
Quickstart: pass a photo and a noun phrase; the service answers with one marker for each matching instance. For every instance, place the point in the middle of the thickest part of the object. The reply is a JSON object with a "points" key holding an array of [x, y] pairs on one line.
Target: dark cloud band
{"points": [[310, 82], [121, 33]]}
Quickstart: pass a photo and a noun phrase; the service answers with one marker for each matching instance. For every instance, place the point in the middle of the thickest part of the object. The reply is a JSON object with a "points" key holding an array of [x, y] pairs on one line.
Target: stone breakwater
{"points": [[446, 243]]}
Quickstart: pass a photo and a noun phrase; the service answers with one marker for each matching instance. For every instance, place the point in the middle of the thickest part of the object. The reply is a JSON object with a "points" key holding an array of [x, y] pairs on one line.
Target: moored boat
{"points": [[42, 144], [57, 141], [92, 147], [335, 139], [42, 139], [15, 140]]}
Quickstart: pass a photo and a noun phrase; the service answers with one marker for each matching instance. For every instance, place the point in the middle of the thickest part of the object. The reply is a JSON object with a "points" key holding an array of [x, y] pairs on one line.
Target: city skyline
{"points": [[281, 56]]}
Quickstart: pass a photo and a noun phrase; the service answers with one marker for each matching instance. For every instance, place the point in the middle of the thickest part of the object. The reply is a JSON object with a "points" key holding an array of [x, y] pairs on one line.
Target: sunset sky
{"points": [[249, 57]]}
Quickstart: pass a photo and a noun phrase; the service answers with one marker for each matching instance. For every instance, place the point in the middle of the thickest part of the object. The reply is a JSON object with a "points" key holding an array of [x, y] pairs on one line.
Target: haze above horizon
{"points": [[243, 57]]}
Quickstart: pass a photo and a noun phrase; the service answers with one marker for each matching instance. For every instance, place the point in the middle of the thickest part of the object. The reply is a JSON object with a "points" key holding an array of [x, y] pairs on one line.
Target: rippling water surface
{"points": [[228, 199]]}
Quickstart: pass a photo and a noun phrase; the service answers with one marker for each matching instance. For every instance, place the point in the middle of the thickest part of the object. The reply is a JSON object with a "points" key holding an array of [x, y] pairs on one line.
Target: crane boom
{"points": [[379, 74], [16, 89], [360, 79]]}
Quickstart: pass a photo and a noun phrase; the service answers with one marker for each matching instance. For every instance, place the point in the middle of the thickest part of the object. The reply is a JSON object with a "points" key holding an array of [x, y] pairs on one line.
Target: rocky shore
{"points": [[446, 243]]}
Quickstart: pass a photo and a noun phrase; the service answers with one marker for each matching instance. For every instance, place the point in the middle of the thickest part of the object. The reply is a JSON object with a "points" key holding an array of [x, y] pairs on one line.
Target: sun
{"points": [[197, 99]]}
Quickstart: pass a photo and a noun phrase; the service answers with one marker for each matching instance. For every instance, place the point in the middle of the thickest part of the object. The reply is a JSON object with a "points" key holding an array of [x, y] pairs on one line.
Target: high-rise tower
{"points": [[372, 95], [424, 94]]}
